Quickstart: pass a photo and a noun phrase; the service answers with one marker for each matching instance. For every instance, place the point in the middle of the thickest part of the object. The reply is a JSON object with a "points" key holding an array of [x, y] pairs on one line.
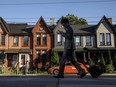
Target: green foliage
{"points": [[109, 64], [114, 61], [89, 61], [109, 68], [74, 19], [54, 57], [102, 61], [109, 60]]}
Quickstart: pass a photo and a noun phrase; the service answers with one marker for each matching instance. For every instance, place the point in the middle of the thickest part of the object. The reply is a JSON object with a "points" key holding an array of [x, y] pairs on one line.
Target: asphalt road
{"points": [[49, 81]]}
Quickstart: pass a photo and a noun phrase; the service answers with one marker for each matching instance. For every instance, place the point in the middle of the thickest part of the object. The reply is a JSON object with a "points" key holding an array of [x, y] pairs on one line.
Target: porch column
{"points": [[88, 54], [84, 57]]}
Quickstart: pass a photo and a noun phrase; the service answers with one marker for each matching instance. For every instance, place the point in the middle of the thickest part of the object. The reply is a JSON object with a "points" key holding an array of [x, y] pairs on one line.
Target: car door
{"points": [[69, 68]]}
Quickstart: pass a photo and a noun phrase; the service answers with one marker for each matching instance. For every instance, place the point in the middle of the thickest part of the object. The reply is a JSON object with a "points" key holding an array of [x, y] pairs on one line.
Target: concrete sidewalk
{"points": [[104, 74]]}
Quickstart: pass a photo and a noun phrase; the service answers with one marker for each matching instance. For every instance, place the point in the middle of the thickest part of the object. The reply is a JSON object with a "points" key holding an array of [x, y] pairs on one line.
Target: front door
{"points": [[24, 60]]}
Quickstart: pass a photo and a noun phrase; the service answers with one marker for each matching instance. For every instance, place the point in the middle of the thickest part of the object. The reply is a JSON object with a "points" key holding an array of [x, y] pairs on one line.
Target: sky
{"points": [[29, 11]]}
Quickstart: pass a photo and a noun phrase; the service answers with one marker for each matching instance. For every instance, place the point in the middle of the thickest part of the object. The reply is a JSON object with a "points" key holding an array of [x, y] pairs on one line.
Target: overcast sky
{"points": [[29, 11]]}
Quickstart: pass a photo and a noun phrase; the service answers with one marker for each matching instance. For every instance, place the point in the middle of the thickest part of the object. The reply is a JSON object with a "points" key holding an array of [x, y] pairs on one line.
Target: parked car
{"points": [[69, 69]]}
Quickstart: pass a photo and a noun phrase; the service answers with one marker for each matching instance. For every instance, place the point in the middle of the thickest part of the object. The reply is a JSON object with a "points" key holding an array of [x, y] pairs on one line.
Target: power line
{"points": [[97, 1], [49, 22]]}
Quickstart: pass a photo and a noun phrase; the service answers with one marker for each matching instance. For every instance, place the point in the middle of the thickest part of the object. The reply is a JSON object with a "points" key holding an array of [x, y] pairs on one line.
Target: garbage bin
{"points": [[24, 70]]}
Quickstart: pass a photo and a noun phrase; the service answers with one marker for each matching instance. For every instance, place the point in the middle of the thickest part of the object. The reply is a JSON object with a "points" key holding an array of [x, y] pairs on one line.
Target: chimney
{"points": [[51, 21], [110, 20]]}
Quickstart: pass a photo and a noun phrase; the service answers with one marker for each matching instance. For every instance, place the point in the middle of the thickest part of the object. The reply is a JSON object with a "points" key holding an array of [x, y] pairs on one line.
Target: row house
{"points": [[22, 44], [90, 40]]}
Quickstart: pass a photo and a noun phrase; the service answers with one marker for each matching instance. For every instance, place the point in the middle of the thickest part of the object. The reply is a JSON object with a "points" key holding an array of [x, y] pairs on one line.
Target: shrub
{"points": [[89, 62], [109, 64], [109, 68], [54, 57]]}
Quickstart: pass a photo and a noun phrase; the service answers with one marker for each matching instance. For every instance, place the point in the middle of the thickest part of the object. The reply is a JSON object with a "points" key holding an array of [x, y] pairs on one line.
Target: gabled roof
{"points": [[84, 29], [90, 29], [4, 24], [42, 19], [115, 28], [104, 20], [22, 28]]}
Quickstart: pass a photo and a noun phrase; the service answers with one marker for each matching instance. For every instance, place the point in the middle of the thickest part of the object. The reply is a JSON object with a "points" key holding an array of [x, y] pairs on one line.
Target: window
{"points": [[88, 40], [64, 40], [108, 39], [78, 40], [38, 54], [38, 39], [43, 56], [59, 39], [102, 39], [3, 39], [16, 39], [25, 40], [44, 39]]}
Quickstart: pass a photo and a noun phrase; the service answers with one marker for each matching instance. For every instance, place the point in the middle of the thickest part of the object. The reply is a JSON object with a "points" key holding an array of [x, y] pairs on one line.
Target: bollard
{"points": [[16, 70]]}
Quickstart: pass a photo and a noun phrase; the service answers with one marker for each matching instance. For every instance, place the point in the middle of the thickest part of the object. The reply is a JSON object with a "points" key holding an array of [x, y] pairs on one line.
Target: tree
{"points": [[74, 19], [54, 57], [109, 64], [102, 63]]}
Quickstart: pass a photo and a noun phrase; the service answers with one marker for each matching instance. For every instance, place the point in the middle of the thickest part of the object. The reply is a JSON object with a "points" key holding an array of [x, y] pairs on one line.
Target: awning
{"points": [[25, 51], [18, 51], [12, 51]]}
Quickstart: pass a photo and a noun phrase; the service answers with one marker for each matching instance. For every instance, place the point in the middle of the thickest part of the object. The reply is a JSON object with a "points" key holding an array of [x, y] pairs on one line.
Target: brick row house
{"points": [[22, 44]]}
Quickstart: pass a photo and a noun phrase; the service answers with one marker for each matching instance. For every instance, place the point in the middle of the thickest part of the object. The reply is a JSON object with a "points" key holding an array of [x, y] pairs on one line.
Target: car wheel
{"points": [[55, 72]]}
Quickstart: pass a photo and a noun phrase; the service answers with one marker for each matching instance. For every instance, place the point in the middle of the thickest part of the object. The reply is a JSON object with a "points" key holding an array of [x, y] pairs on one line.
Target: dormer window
{"points": [[108, 39]]}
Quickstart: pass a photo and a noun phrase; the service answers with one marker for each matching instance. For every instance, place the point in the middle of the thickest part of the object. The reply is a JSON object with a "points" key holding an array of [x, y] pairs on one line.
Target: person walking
{"points": [[69, 48]]}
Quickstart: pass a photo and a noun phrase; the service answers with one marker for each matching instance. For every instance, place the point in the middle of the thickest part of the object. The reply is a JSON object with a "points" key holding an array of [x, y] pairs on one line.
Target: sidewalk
{"points": [[104, 74]]}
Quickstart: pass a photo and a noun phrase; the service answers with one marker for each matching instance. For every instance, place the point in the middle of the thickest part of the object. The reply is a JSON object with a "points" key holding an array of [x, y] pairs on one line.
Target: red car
{"points": [[69, 69]]}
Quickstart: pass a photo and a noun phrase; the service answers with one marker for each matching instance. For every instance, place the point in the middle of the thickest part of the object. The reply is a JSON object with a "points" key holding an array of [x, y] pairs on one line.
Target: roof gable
{"points": [[41, 23], [105, 21], [4, 25]]}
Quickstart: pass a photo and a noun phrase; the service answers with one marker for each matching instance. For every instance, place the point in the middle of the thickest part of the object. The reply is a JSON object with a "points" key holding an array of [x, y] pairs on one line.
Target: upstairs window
{"points": [[63, 40], [78, 40], [44, 39], [38, 54], [59, 39], [108, 39], [102, 39], [25, 40], [38, 39], [3, 39], [16, 39], [88, 40]]}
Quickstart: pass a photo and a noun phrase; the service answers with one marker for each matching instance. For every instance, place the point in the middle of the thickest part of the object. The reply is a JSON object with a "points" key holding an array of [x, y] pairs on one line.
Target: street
{"points": [[49, 81]]}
